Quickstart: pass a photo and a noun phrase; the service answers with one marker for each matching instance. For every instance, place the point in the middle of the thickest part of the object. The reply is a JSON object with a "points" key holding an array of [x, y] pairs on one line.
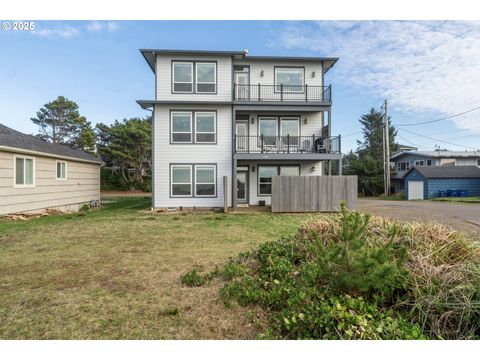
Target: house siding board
{"points": [[268, 68], [166, 154], [164, 79], [435, 185], [82, 185]]}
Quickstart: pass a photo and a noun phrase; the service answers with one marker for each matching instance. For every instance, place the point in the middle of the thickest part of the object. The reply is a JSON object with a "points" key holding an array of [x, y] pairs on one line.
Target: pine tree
{"points": [[60, 122], [367, 160]]}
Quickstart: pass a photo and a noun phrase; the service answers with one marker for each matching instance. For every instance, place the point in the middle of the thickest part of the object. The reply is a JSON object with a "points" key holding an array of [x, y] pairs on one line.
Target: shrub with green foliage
{"points": [[353, 277], [321, 289]]}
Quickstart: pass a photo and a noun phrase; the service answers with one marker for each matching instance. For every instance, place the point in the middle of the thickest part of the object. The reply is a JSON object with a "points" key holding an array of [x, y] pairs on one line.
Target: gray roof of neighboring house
{"points": [[14, 139], [440, 154], [149, 55], [447, 172]]}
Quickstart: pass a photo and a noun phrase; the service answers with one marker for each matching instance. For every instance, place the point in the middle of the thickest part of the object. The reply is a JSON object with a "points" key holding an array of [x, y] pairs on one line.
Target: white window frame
{"points": [[191, 132], [429, 162], [204, 132], [206, 82], [182, 82], [277, 85], [419, 162], [172, 183], [56, 170], [214, 180], [15, 185]]}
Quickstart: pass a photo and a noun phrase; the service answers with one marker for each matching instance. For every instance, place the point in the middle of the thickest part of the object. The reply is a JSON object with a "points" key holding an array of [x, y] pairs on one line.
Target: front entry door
{"points": [[242, 186]]}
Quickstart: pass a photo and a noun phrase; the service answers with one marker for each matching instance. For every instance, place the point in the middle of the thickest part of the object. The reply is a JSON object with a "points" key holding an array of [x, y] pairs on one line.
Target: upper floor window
{"points": [[182, 77], [183, 131], [429, 162], [419, 162], [205, 127], [61, 170], [403, 166], [204, 73], [291, 79], [24, 171], [206, 77], [181, 127]]}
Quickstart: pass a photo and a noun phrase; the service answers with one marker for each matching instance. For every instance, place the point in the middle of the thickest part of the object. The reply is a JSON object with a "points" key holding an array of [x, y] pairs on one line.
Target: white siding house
{"points": [[225, 113]]}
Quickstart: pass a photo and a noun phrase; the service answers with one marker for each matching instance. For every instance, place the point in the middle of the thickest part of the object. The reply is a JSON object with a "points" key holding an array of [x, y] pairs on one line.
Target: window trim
{"points": [[193, 188], [172, 166], [191, 132], [192, 127], [183, 82], [288, 67], [203, 132], [196, 166], [194, 77], [56, 170], [15, 185], [203, 82], [418, 162], [278, 174]]}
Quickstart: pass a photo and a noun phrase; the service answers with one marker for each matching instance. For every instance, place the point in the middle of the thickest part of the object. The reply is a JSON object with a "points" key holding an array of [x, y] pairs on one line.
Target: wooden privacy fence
{"points": [[313, 193]]}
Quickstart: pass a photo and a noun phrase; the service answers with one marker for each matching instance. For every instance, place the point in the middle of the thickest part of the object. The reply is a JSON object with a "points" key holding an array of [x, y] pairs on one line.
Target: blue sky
{"points": [[427, 70]]}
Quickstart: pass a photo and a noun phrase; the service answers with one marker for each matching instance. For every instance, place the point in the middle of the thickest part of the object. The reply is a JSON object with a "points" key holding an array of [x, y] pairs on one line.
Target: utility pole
{"points": [[387, 148]]}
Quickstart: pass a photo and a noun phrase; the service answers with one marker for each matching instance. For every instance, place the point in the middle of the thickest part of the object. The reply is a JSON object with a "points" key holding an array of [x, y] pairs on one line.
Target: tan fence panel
{"points": [[313, 193]]}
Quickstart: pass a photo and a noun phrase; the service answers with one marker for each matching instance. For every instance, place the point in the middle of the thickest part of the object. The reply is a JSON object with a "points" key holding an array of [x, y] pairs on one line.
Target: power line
{"points": [[438, 140], [355, 133], [441, 119]]}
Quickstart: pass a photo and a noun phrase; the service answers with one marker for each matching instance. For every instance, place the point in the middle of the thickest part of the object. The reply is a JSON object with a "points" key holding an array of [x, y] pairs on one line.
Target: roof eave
{"points": [[45, 154]]}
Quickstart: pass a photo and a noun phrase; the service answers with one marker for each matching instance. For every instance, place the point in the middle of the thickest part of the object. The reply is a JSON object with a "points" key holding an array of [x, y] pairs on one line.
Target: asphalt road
{"points": [[463, 217]]}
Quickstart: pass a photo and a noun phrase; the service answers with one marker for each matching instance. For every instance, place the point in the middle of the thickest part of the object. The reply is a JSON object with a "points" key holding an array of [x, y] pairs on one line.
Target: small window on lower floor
{"points": [[24, 171], [181, 180], [61, 170], [205, 180]]}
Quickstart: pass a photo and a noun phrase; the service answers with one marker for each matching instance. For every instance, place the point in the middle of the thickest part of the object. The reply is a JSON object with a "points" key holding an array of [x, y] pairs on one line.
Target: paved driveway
{"points": [[464, 217]]}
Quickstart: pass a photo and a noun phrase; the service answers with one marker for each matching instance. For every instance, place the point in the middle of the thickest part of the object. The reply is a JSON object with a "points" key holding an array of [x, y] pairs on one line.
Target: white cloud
{"points": [[60, 31], [96, 26], [420, 66]]}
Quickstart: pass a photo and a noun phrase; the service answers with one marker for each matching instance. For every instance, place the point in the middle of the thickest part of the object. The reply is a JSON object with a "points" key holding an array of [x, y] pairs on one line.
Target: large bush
{"points": [[352, 277]]}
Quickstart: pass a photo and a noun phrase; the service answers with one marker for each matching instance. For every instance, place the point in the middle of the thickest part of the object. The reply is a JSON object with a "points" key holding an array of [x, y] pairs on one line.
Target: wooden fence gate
{"points": [[313, 193]]}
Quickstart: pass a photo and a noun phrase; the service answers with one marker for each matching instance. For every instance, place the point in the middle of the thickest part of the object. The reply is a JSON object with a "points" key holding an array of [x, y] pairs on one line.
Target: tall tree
{"points": [[367, 160], [60, 122], [126, 146]]}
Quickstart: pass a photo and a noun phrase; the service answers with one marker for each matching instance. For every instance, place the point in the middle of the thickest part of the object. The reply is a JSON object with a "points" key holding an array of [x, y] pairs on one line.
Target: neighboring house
{"points": [[427, 182], [225, 113], [406, 148], [406, 160], [36, 175]]}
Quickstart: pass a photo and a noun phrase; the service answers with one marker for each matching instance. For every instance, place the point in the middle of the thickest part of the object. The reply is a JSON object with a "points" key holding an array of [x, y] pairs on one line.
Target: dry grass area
{"points": [[115, 273]]}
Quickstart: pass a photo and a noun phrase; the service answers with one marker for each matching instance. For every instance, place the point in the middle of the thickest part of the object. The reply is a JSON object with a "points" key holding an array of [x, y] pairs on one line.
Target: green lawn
{"points": [[114, 273], [467, 199]]}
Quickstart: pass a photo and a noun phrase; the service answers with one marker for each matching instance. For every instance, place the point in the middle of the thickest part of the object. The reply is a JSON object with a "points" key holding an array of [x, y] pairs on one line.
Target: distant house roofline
{"points": [[438, 154], [447, 172]]}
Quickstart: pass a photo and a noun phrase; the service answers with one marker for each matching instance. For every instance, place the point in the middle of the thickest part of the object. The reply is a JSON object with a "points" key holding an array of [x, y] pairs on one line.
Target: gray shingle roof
{"points": [[448, 172], [16, 139]]}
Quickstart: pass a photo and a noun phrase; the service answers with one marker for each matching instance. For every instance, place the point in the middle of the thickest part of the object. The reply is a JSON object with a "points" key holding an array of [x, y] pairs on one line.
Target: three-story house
{"points": [[226, 113]]}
